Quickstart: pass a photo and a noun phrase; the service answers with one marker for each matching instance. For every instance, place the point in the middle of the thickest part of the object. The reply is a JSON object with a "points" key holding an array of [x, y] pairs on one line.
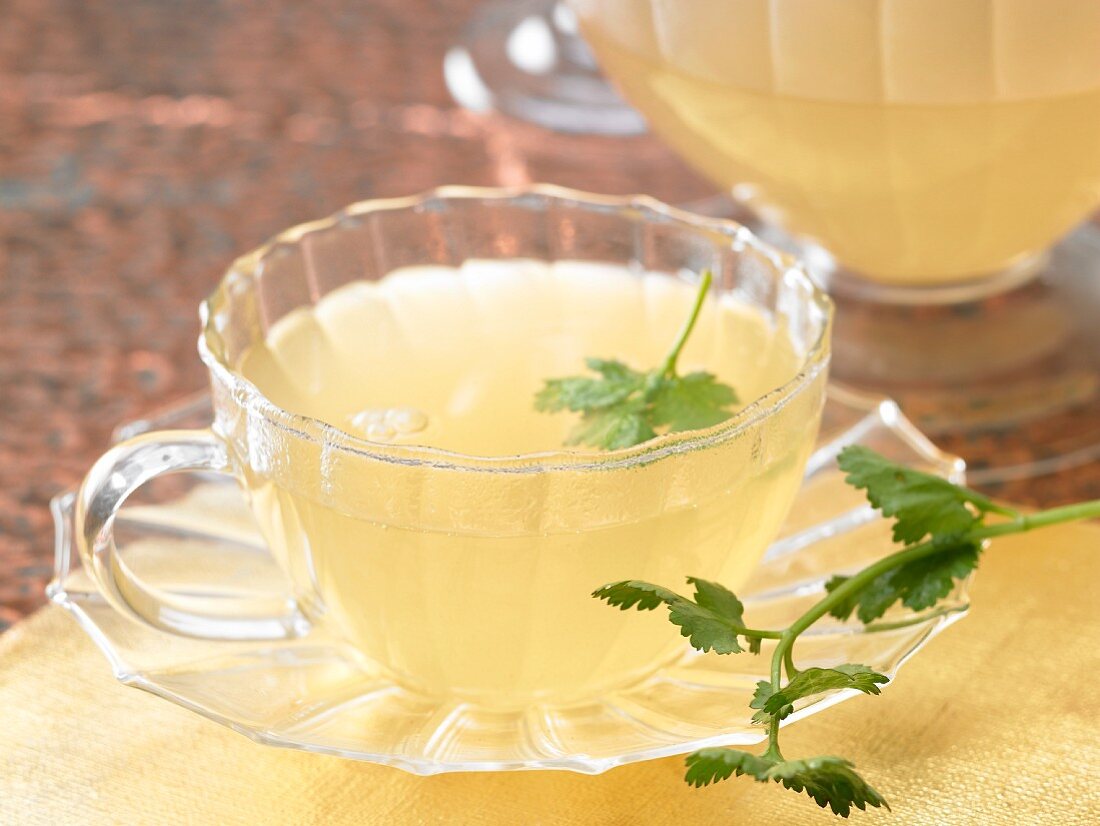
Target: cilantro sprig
{"points": [[621, 407], [943, 529]]}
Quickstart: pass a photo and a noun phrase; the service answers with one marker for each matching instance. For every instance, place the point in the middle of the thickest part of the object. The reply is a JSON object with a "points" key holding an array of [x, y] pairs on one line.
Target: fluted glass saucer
{"points": [[192, 535]]}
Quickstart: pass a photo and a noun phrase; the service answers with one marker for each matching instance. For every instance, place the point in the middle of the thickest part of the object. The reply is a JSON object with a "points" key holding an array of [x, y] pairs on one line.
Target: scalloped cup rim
{"points": [[301, 426]]}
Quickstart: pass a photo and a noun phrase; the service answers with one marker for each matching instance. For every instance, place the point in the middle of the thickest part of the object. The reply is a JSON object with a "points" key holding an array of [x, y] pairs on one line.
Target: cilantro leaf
{"points": [[924, 582], [764, 692], [614, 427], [621, 407], [831, 781], [717, 598], [921, 504], [779, 703], [692, 402], [708, 766], [919, 584], [712, 622], [633, 593], [614, 370], [582, 393], [813, 681]]}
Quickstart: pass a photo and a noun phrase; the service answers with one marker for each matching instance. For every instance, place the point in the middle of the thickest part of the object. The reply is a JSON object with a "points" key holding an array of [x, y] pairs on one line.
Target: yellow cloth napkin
{"points": [[996, 722]]}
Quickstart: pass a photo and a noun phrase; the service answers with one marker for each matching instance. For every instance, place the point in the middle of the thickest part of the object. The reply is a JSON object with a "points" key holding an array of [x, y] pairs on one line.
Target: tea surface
{"points": [[452, 358]]}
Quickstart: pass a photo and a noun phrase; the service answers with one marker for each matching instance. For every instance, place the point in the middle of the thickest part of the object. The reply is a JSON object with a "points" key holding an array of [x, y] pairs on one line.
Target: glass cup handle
{"points": [[118, 473]]}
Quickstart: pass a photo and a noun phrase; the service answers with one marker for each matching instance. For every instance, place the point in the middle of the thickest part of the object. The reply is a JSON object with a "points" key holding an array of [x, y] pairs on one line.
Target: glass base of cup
{"points": [[524, 58], [1003, 371]]}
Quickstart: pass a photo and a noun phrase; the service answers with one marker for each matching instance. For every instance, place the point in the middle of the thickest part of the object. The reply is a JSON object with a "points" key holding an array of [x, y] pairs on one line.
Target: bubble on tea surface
{"points": [[406, 419], [380, 432], [384, 424]]}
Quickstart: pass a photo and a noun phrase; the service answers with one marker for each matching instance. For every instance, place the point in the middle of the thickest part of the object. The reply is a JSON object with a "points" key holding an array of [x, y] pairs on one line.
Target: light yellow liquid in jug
{"points": [[919, 141]]}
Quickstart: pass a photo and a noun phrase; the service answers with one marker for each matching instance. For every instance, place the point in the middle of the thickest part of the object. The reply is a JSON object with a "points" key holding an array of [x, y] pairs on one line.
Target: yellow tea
{"points": [[475, 580], [919, 142]]}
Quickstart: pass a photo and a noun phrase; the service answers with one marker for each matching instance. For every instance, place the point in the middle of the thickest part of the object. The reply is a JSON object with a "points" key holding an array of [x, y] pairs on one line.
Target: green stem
{"points": [[773, 741], [919, 619], [758, 632], [668, 368], [1030, 521], [773, 724], [788, 659], [857, 582], [852, 585]]}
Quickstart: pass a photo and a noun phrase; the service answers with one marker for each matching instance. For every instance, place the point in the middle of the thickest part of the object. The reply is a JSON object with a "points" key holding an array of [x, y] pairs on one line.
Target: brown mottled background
{"points": [[145, 142]]}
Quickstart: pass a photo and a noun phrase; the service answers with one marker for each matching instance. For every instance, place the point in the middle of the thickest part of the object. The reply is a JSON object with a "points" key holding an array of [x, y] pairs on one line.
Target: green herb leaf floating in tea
{"points": [[622, 407], [692, 402], [583, 394]]}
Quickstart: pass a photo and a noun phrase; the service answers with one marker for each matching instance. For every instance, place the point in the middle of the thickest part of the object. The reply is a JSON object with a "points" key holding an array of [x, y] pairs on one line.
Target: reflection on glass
{"points": [[525, 58]]}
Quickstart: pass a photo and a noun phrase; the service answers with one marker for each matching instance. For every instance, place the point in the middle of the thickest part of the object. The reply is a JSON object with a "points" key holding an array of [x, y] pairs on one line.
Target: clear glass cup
{"points": [[469, 576], [923, 155]]}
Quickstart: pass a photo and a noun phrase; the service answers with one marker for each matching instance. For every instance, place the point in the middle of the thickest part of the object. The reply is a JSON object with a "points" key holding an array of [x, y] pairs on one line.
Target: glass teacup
{"points": [[464, 575]]}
